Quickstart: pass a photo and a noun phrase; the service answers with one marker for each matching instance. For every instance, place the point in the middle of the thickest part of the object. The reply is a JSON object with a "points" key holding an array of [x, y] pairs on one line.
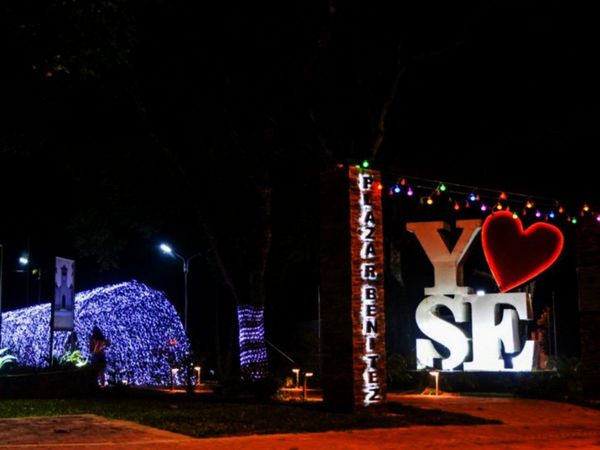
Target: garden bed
{"points": [[48, 383]]}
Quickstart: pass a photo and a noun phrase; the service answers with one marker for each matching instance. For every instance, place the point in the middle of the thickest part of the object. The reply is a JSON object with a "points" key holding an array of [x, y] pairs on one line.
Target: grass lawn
{"points": [[204, 416]]}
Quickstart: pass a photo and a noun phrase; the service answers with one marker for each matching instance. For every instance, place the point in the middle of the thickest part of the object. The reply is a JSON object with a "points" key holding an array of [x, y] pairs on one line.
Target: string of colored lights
{"points": [[146, 334], [462, 197]]}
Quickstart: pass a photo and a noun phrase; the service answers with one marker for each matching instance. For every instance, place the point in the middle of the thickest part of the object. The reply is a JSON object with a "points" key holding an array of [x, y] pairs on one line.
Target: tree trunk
{"points": [[251, 319]]}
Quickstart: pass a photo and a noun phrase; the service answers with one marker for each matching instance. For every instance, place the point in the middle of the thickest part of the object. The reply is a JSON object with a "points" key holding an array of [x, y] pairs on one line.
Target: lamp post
{"points": [[167, 250], [307, 375], [436, 374], [297, 372], [24, 262]]}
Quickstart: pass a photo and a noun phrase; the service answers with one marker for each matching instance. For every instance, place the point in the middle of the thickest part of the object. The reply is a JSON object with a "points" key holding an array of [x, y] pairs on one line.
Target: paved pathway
{"points": [[526, 424]]}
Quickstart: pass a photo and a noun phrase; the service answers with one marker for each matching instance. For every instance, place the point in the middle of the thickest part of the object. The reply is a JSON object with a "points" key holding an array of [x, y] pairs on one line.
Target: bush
{"points": [[6, 359], [262, 389], [399, 376]]}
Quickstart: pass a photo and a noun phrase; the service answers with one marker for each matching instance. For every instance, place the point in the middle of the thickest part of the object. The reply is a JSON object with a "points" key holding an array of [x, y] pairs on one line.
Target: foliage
{"points": [[562, 383], [401, 377], [72, 359], [5, 358], [263, 389]]}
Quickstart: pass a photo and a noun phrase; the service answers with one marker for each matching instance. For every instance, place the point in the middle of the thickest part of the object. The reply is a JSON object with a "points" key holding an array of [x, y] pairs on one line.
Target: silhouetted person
{"points": [[98, 344]]}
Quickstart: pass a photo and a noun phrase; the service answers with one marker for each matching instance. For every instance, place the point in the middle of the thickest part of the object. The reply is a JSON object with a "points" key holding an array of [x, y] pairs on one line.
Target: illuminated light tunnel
{"points": [[146, 334]]}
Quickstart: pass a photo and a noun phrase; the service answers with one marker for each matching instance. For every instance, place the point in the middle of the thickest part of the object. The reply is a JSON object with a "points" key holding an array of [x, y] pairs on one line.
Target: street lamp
{"points": [[167, 250], [297, 372], [24, 262], [307, 375]]}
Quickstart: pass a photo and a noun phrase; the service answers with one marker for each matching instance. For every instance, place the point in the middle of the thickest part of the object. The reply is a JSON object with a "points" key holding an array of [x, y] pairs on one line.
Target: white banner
{"points": [[64, 294]]}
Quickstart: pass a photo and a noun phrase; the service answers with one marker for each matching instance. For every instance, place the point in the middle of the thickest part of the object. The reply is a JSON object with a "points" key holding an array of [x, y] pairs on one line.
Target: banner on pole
{"points": [[64, 294]]}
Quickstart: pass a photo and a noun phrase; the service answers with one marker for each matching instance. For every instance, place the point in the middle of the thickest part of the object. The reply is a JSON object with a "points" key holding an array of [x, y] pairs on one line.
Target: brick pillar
{"points": [[588, 276], [352, 309]]}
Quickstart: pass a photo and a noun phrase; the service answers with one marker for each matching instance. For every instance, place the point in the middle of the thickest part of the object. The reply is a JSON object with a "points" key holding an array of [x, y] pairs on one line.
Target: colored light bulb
{"points": [[443, 187], [498, 206], [515, 216], [379, 186], [429, 201], [365, 164], [586, 208], [483, 208], [561, 210], [538, 214], [472, 197], [397, 189], [409, 192], [456, 206], [503, 196], [529, 204], [574, 220], [551, 214]]}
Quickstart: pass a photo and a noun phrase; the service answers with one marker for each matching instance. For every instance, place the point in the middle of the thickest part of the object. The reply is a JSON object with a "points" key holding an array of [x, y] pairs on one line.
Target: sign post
{"points": [[62, 309]]}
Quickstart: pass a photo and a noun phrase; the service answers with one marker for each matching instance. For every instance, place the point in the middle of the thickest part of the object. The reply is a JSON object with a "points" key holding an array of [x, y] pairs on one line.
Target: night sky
{"points": [[132, 122]]}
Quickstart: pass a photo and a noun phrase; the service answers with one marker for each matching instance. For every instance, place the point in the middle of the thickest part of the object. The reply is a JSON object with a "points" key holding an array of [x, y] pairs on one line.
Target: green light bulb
{"points": [[365, 164]]}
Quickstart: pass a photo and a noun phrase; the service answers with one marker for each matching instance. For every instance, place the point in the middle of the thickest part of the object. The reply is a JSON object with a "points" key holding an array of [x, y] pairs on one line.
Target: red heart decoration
{"points": [[516, 255]]}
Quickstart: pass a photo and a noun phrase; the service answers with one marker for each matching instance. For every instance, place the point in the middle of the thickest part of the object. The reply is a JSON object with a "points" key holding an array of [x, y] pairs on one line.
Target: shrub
{"points": [[6, 359]]}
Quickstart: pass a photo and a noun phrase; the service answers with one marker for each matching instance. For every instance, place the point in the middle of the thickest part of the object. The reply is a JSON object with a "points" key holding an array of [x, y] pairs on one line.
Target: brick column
{"points": [[352, 309], [588, 276]]}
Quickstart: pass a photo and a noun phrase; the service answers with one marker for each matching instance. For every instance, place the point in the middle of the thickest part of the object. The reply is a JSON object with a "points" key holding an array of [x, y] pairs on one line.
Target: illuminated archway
{"points": [[147, 337]]}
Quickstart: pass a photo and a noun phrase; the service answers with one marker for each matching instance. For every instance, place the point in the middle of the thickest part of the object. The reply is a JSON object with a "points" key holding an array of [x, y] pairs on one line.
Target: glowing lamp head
{"points": [[167, 250], [23, 260], [480, 292]]}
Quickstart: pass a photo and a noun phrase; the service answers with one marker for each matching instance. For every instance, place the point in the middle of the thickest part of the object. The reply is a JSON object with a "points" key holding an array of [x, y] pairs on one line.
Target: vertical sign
{"points": [[368, 320], [351, 289], [64, 294]]}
